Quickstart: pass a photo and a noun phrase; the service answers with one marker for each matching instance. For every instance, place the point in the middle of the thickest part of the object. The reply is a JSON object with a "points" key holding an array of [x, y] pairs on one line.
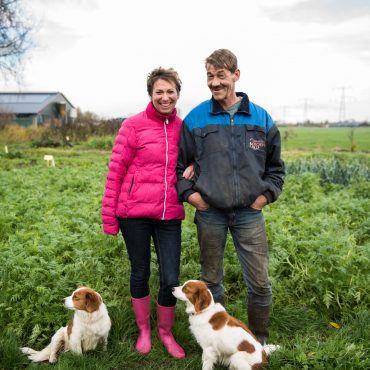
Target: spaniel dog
{"points": [[90, 325], [223, 338]]}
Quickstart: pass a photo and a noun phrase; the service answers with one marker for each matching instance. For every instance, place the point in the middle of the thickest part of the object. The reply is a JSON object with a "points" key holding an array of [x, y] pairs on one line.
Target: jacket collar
{"points": [[156, 116], [243, 107]]}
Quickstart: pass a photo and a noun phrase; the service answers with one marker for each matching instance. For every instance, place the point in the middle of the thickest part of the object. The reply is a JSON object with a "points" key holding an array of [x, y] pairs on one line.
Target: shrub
{"points": [[101, 143], [45, 143], [12, 154], [320, 247], [12, 134], [331, 170]]}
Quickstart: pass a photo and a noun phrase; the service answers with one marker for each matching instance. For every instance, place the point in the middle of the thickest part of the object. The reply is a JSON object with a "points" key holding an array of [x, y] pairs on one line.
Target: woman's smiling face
{"points": [[164, 96]]}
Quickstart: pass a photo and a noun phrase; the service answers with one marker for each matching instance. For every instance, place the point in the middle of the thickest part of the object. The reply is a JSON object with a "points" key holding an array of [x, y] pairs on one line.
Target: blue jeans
{"points": [[247, 227], [137, 233]]}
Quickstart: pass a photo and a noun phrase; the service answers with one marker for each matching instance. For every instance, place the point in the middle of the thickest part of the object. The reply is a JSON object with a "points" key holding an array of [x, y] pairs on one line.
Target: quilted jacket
{"points": [[141, 177]]}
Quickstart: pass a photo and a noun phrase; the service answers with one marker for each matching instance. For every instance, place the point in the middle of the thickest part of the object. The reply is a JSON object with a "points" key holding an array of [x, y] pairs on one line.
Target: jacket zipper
{"points": [[165, 169], [234, 164]]}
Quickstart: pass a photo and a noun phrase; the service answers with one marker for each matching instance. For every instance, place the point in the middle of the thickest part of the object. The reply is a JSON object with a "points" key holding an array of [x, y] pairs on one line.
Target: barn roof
{"points": [[28, 103]]}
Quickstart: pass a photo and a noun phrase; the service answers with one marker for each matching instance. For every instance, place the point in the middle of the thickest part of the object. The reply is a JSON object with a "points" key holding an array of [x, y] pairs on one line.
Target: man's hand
{"points": [[197, 201], [259, 203]]}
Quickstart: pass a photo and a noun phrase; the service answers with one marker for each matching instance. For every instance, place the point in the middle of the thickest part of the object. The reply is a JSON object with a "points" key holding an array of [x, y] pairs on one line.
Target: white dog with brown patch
{"points": [[90, 326], [223, 338]]}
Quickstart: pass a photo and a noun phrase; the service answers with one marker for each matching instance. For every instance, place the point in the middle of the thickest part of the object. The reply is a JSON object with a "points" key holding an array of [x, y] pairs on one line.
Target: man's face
{"points": [[222, 83], [164, 96]]}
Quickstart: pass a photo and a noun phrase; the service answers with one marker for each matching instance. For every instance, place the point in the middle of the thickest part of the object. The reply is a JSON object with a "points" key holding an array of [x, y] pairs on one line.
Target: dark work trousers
{"points": [[166, 234], [247, 228]]}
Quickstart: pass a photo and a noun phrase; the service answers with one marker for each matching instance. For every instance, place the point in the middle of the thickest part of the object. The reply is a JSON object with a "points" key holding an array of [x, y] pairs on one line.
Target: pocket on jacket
{"points": [[133, 185], [207, 140]]}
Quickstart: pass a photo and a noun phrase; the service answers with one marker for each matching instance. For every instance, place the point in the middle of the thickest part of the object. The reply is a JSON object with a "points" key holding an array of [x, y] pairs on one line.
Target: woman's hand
{"points": [[189, 172]]}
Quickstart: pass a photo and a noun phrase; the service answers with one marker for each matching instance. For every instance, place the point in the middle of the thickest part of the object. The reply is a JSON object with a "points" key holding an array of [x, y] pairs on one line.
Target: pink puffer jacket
{"points": [[142, 171]]}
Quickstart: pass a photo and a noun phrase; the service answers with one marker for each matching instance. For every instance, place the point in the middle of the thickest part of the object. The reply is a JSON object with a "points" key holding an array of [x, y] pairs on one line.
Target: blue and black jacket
{"points": [[235, 159]]}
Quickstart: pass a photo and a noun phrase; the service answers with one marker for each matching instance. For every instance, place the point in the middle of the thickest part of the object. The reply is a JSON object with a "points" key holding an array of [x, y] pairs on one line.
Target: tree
{"points": [[14, 36], [87, 117]]}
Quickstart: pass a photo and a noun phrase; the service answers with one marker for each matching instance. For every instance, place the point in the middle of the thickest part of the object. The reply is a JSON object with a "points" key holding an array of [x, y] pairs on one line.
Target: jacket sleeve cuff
{"points": [[268, 196], [110, 229], [187, 194]]}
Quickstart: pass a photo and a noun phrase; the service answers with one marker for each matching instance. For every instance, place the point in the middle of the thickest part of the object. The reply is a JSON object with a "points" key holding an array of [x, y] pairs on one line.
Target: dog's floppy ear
{"points": [[202, 299], [92, 302]]}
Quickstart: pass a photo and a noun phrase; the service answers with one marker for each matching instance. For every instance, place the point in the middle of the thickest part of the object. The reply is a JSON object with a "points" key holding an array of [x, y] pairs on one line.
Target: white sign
{"points": [[50, 160]]}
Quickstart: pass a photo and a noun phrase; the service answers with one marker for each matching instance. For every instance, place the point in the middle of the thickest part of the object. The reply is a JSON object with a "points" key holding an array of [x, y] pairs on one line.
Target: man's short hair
{"points": [[223, 58], [167, 74]]}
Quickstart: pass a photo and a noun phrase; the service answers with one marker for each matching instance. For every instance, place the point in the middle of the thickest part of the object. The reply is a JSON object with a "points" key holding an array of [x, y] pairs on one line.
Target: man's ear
{"points": [[237, 74]]}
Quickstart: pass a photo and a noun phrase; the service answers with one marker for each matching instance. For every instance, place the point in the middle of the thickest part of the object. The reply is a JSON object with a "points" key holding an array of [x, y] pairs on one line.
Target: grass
{"points": [[301, 139], [325, 139], [51, 241]]}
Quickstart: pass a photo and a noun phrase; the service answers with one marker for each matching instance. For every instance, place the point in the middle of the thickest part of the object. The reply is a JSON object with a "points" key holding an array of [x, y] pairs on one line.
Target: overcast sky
{"points": [[299, 59]]}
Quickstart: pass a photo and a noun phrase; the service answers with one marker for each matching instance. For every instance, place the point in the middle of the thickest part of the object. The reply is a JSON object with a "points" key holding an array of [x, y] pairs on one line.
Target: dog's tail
{"points": [[269, 348], [50, 352], [37, 356]]}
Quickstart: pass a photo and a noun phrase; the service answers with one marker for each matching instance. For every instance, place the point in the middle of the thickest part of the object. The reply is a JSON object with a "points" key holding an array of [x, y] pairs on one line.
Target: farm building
{"points": [[37, 108]]}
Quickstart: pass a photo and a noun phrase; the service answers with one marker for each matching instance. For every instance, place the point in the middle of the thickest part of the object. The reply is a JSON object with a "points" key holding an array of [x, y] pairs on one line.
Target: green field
{"points": [[51, 241], [303, 139], [325, 139]]}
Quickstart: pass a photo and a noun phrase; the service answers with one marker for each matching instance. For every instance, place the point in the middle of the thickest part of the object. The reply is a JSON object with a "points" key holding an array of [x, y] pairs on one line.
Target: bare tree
{"points": [[14, 36]]}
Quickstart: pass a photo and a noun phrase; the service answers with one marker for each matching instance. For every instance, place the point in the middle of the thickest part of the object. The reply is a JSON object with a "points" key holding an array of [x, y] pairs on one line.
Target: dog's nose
{"points": [[173, 289]]}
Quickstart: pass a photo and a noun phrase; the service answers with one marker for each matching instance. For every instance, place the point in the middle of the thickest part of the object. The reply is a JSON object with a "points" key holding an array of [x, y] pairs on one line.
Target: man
{"points": [[235, 148]]}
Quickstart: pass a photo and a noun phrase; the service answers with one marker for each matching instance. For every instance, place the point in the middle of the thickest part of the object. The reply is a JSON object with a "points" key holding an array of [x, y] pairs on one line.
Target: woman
{"points": [[140, 198]]}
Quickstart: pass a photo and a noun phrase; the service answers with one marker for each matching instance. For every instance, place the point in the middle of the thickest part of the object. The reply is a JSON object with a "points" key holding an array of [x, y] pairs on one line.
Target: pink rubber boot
{"points": [[141, 307], [166, 317]]}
